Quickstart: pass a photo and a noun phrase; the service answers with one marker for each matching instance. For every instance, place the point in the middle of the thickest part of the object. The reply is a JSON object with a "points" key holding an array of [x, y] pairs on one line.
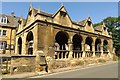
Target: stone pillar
{"points": [[101, 46], [24, 44], [83, 49], [16, 46], [93, 46], [35, 40], [93, 49], [70, 48], [24, 48], [110, 47], [58, 55], [62, 55], [83, 45]]}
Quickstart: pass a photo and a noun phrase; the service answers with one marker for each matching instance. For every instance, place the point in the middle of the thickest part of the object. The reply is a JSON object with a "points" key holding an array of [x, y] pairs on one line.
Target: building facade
{"points": [[56, 35], [8, 26]]}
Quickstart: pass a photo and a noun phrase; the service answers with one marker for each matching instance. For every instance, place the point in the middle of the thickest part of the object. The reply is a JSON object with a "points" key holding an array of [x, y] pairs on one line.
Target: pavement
{"points": [[32, 74]]}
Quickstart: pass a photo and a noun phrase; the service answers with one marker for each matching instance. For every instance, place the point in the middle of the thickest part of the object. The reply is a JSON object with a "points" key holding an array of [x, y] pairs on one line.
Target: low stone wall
{"points": [[62, 63], [22, 63]]}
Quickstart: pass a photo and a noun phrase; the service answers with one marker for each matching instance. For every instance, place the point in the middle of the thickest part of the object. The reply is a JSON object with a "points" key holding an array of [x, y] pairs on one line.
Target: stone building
{"points": [[8, 26], [56, 35]]}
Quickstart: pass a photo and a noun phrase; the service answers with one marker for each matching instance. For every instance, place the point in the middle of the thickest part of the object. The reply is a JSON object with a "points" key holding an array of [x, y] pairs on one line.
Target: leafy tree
{"points": [[113, 25]]}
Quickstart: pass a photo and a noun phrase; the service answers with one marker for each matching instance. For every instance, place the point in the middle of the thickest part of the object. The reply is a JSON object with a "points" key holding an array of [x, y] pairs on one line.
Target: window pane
{"points": [[4, 45], [4, 32], [4, 20]]}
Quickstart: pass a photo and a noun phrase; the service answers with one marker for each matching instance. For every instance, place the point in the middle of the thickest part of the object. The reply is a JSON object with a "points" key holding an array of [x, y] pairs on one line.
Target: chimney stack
{"points": [[12, 13]]}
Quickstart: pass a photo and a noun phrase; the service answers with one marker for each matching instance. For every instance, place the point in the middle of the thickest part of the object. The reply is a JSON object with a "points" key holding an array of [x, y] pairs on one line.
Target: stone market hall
{"points": [[60, 37], [57, 36]]}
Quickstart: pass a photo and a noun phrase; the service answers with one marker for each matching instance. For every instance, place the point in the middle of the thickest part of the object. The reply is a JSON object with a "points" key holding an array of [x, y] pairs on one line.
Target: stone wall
{"points": [[22, 64]]}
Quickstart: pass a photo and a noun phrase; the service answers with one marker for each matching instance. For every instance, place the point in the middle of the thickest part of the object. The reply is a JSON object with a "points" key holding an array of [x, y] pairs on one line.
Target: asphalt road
{"points": [[104, 71]]}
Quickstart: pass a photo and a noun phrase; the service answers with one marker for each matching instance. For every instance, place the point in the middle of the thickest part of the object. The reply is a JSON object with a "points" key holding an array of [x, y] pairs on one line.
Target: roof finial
{"points": [[88, 16], [103, 23], [39, 9], [62, 4], [31, 5]]}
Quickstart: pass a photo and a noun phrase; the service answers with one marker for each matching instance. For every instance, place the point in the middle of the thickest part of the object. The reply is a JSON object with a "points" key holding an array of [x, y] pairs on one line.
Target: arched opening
{"points": [[19, 45], [77, 47], [97, 47], [29, 43], [97, 44], [105, 43], [77, 39], [88, 43], [88, 47], [61, 39]]}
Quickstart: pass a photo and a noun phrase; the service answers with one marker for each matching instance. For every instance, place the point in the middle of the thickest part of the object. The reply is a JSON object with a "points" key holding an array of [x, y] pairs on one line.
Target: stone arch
{"points": [[88, 43], [29, 43], [61, 41], [77, 40], [97, 44], [105, 45], [62, 38], [20, 45]]}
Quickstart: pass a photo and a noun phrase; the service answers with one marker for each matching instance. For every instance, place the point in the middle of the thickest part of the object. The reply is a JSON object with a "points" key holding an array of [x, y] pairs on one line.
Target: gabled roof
{"points": [[24, 20], [43, 13], [59, 11], [12, 21], [100, 27]]}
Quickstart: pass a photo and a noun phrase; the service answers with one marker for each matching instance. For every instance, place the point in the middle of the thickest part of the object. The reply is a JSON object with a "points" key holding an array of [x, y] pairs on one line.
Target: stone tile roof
{"points": [[12, 21], [43, 13], [99, 28], [24, 21], [82, 23]]}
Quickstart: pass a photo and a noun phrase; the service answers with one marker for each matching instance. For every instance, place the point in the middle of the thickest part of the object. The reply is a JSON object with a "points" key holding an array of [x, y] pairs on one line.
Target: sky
{"points": [[77, 10]]}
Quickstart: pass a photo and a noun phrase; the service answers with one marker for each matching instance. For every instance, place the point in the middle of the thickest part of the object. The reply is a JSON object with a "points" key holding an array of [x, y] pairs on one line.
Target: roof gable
{"points": [[61, 17], [88, 25], [31, 14]]}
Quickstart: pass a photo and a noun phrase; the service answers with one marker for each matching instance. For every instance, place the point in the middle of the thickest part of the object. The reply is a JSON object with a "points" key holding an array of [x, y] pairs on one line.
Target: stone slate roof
{"points": [[12, 21], [43, 13], [82, 23], [24, 21], [99, 28]]}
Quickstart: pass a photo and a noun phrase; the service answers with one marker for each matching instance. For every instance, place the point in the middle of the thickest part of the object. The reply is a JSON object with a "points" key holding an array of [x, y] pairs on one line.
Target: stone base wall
{"points": [[22, 64]]}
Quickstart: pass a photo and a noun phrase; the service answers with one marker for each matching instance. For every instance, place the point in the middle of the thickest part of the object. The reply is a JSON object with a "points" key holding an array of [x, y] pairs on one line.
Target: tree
{"points": [[113, 25]]}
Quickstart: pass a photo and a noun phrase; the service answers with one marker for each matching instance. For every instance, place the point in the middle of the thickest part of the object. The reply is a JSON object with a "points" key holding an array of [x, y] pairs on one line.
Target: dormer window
{"points": [[104, 28], [62, 13], [30, 13], [3, 20], [20, 22], [89, 23]]}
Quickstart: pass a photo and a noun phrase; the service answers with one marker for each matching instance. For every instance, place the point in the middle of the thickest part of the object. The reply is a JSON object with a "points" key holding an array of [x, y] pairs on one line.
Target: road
{"points": [[102, 71]]}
